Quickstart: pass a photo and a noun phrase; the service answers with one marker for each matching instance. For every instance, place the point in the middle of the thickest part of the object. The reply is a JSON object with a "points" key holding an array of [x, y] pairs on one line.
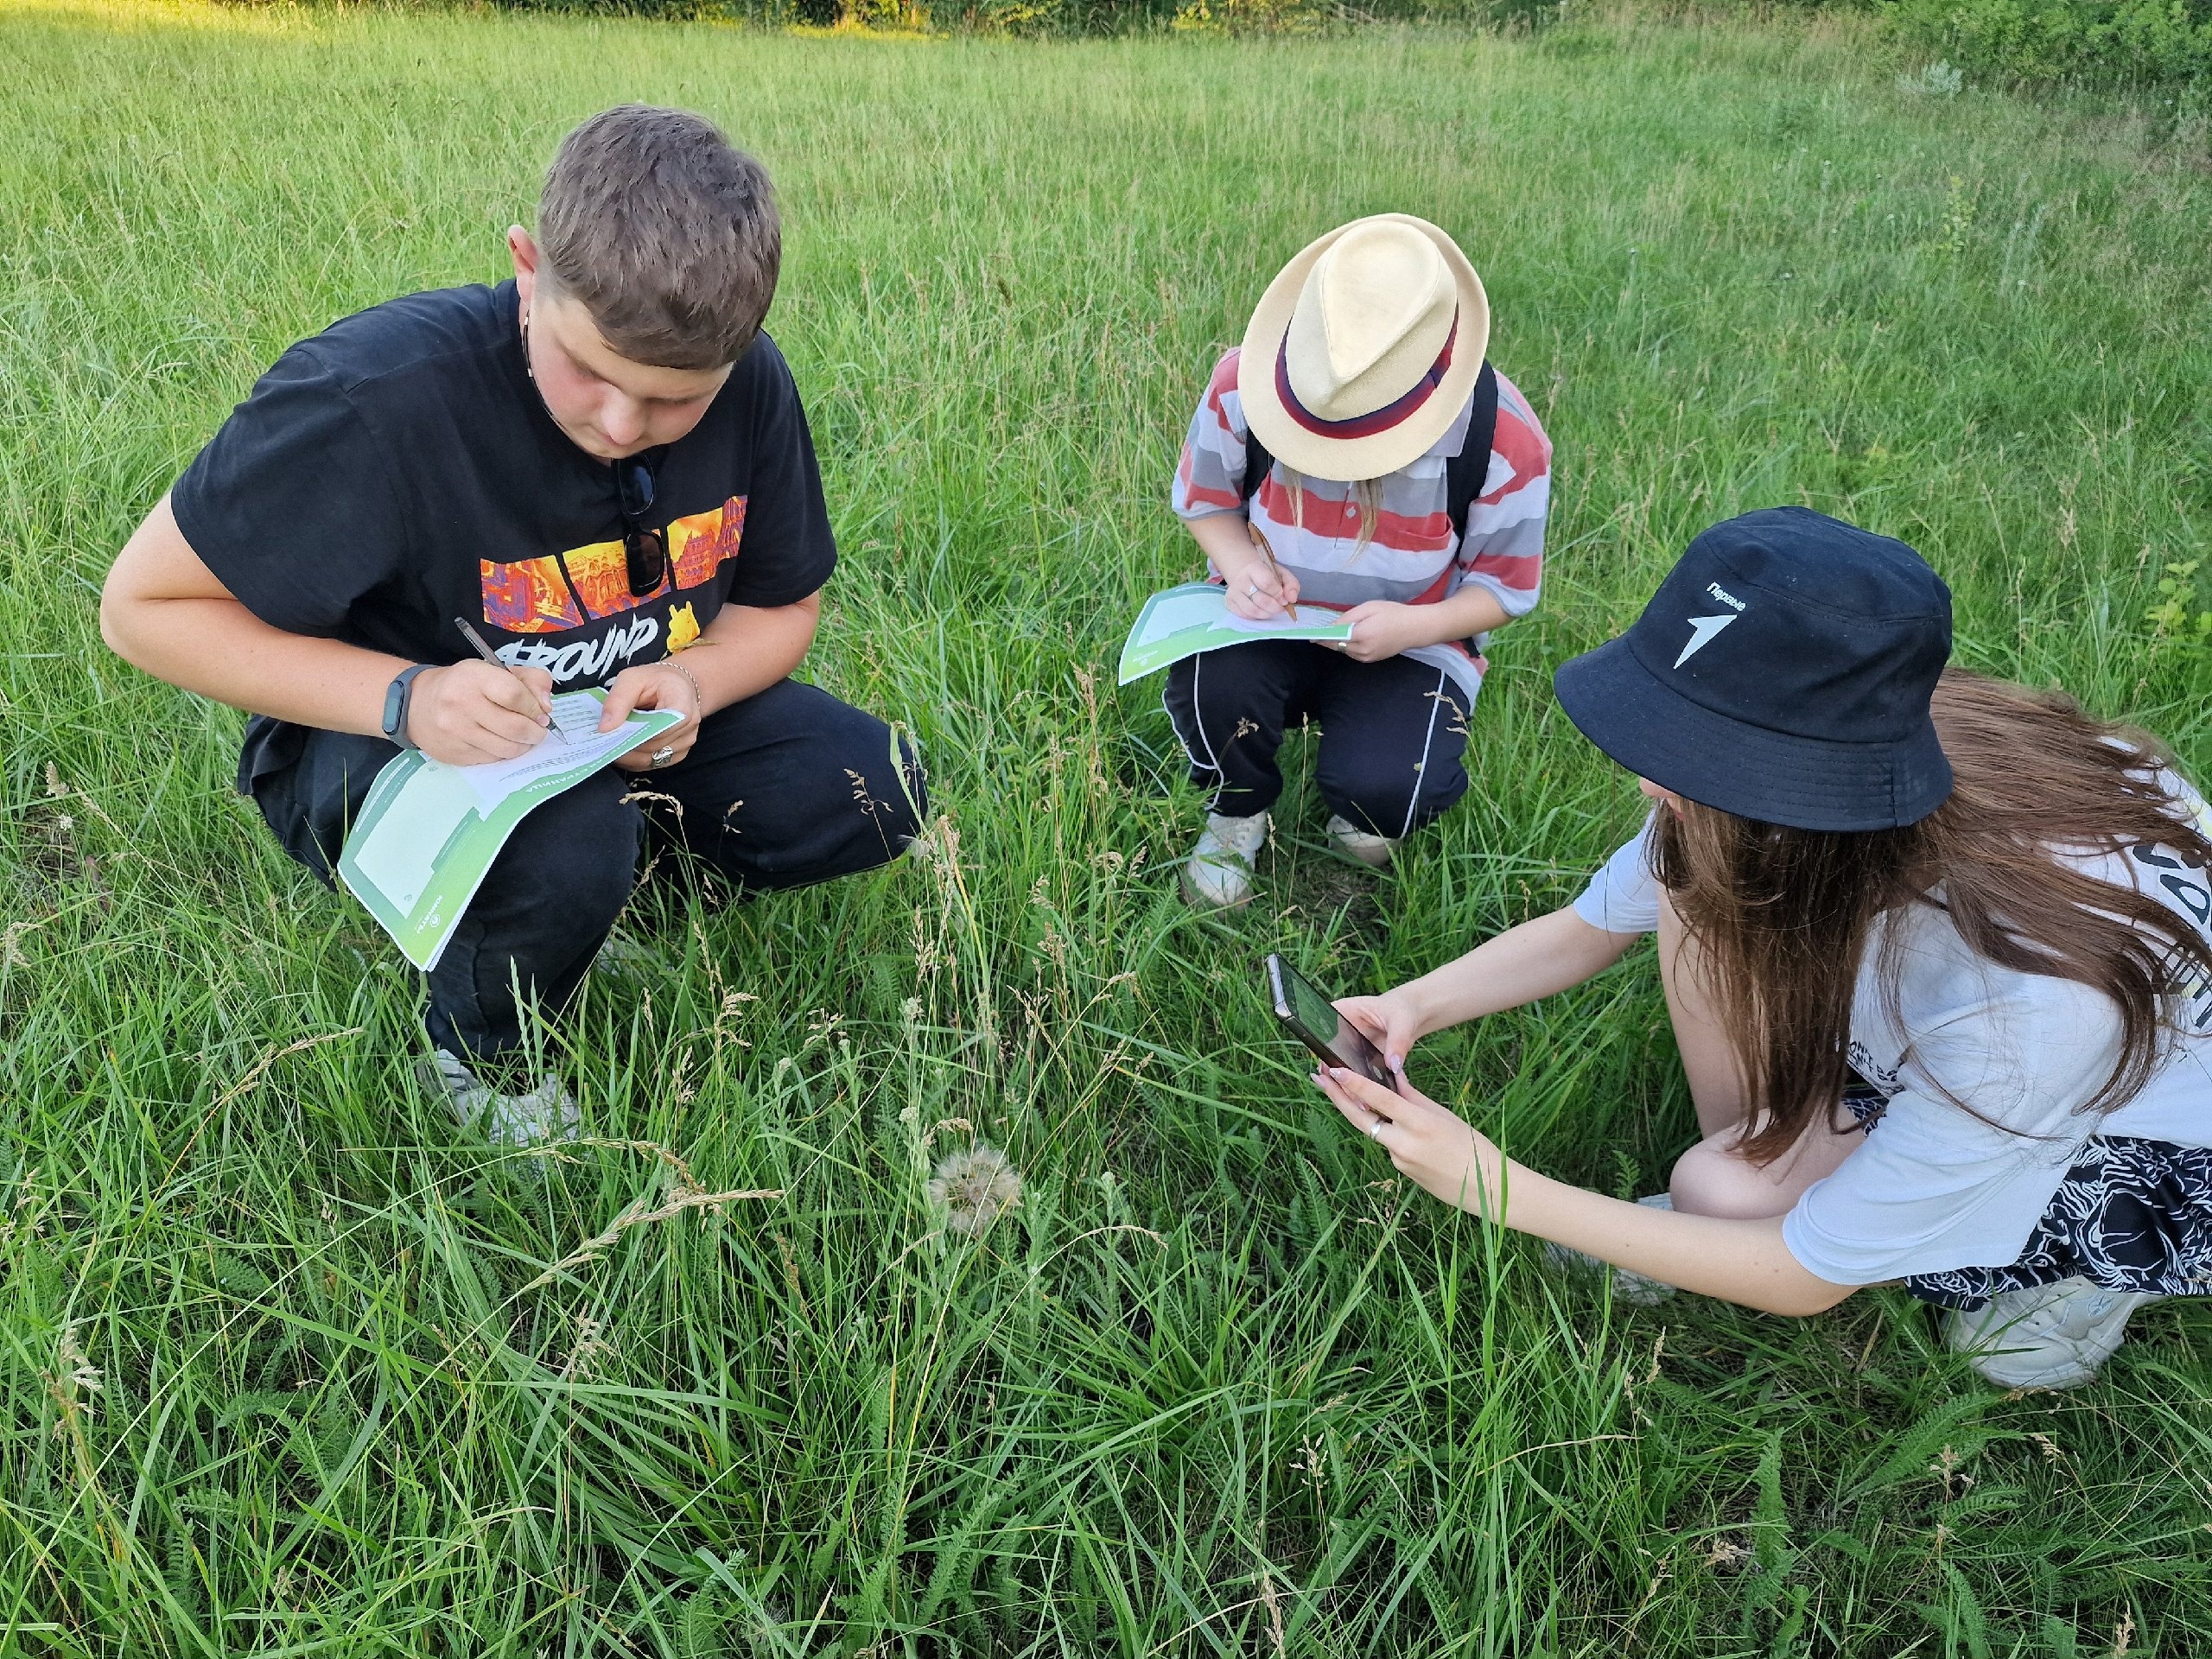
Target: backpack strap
{"points": [[1257, 464], [1462, 474]]}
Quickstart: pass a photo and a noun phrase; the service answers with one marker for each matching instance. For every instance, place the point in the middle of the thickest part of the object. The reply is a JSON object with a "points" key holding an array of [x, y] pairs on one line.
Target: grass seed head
{"points": [[592, 1346], [973, 1188], [73, 1380]]}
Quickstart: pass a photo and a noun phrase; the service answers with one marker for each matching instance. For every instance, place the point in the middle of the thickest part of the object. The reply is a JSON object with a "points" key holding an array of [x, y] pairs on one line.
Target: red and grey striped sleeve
{"points": [[1504, 548], [1210, 476]]}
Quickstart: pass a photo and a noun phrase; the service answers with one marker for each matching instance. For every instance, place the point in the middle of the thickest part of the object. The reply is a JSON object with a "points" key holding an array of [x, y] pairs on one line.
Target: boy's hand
{"points": [[653, 685], [471, 713], [1382, 628], [1389, 1021]]}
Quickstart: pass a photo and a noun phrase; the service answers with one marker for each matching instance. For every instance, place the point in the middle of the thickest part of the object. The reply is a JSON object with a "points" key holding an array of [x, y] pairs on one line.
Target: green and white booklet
{"points": [[428, 832], [1184, 621]]}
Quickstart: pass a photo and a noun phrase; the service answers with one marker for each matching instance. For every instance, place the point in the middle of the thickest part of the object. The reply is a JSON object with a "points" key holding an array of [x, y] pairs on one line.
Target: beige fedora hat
{"points": [[1364, 349]]}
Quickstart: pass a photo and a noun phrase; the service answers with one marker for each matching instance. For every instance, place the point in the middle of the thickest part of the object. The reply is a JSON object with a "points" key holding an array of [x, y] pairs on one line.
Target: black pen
{"points": [[476, 640]]}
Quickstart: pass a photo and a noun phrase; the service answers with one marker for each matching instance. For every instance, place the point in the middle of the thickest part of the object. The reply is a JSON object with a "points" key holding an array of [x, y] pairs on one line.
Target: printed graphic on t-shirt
{"points": [[584, 594], [534, 596], [594, 658], [1882, 1078], [2180, 884], [682, 626]]}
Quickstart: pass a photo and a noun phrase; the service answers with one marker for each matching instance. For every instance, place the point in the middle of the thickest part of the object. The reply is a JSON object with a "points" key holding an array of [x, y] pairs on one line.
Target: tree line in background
{"points": [[2160, 46], [1077, 17], [2125, 43]]}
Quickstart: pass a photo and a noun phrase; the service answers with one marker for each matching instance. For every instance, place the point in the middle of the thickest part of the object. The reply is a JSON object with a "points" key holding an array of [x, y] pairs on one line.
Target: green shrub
{"points": [[1067, 17], [2136, 41]]}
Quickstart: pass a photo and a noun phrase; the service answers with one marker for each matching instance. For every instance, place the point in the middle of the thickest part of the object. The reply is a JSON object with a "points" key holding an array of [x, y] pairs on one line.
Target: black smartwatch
{"points": [[399, 696]]}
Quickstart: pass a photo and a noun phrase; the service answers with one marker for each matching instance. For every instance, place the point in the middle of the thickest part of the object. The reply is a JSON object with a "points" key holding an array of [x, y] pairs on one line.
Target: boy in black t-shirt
{"points": [[602, 464]]}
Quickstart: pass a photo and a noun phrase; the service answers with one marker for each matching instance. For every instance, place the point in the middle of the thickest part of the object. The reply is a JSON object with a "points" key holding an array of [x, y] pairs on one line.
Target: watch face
{"points": [[395, 709]]}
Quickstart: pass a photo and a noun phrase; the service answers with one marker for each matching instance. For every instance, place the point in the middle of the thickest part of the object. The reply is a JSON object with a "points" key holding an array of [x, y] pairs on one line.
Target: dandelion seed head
{"points": [[973, 1188]]}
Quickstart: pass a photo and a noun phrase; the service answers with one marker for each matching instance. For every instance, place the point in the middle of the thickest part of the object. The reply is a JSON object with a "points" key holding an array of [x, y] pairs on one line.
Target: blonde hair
{"points": [[1362, 492]]}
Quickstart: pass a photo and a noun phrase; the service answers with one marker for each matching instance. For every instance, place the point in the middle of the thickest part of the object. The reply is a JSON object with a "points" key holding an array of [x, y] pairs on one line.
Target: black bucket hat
{"points": [[1782, 672]]}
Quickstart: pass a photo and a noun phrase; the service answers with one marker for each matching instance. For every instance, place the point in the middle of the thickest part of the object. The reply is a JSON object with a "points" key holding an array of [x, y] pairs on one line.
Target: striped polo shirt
{"points": [[1413, 557]]}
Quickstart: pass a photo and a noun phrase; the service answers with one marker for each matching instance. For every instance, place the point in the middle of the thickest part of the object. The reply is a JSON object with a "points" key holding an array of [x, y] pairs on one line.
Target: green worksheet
{"points": [[1184, 621], [428, 832]]}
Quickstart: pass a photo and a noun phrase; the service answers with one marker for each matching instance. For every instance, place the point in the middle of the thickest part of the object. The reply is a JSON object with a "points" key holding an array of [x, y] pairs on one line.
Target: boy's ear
{"points": [[522, 248]]}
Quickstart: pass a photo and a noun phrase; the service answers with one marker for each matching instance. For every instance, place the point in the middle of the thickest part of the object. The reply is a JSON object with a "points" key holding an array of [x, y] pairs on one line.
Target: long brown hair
{"points": [[1781, 917]]}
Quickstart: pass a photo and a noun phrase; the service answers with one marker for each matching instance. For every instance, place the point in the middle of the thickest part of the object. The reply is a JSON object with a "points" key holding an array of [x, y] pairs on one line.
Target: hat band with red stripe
{"points": [[1379, 420]]}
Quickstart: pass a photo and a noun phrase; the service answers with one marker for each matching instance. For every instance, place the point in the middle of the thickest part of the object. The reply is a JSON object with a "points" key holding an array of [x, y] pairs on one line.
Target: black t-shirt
{"points": [[400, 470]]}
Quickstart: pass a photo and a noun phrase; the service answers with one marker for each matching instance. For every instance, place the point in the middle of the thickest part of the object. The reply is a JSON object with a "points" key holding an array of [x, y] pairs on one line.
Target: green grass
{"points": [[1220, 1385]]}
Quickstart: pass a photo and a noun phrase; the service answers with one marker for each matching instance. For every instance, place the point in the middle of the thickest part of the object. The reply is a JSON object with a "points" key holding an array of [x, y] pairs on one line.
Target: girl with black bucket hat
{"points": [[1937, 951]]}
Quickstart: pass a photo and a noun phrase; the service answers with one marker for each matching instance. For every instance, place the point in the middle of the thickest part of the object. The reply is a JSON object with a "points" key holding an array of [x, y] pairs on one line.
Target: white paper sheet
{"points": [[576, 716]]}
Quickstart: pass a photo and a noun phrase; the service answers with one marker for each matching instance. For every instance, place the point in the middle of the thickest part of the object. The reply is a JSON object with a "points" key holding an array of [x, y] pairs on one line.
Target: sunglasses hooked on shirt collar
{"points": [[645, 548]]}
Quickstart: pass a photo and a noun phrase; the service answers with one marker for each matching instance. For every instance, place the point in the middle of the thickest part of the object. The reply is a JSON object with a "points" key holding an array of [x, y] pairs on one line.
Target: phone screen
{"points": [[1306, 1010]]}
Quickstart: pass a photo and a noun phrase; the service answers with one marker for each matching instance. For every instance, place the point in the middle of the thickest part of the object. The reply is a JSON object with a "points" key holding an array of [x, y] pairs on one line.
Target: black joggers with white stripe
{"points": [[1394, 734], [788, 787]]}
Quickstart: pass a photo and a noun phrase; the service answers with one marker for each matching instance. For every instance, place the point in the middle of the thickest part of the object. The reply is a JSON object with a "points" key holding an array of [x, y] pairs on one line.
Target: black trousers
{"points": [[788, 788], [1393, 734]]}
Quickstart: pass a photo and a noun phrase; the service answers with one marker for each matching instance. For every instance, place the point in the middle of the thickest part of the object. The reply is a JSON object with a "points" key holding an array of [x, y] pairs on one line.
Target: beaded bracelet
{"points": [[698, 697]]}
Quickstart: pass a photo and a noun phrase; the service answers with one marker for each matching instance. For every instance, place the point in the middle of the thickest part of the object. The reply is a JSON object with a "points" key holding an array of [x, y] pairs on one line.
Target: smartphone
{"points": [[1312, 1019]]}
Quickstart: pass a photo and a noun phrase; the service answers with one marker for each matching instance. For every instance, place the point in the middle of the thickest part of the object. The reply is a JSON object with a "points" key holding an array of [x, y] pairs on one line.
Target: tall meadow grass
{"points": [[291, 1365]]}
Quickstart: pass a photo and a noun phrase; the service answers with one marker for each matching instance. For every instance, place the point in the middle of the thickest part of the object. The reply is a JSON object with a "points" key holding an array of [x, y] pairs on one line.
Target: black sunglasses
{"points": [[645, 548]]}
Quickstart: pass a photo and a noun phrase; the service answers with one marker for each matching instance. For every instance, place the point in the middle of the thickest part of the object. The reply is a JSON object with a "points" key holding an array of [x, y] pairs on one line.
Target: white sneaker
{"points": [[2053, 1336], [546, 1113], [1220, 869], [1374, 851], [1627, 1286], [629, 958]]}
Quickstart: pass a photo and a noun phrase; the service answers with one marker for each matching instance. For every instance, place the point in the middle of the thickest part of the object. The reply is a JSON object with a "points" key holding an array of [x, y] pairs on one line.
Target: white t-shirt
{"points": [[1932, 1188]]}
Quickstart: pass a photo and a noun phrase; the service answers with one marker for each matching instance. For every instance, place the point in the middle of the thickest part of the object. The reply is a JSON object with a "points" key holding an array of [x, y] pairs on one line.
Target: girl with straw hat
{"points": [[1938, 950], [1356, 453]]}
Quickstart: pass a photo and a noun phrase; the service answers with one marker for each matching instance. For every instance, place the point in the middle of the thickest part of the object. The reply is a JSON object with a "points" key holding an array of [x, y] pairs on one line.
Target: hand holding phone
{"points": [[1313, 1018]]}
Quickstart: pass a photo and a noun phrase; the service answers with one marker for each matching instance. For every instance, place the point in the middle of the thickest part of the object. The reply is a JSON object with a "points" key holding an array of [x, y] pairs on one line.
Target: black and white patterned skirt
{"points": [[2131, 1215]]}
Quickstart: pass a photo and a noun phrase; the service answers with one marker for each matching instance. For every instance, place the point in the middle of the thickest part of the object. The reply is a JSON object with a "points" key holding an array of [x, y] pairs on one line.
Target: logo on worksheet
{"points": [[584, 594]]}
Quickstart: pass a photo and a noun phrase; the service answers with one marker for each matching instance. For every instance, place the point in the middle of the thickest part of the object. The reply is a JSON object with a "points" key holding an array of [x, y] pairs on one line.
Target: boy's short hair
{"points": [[666, 232]]}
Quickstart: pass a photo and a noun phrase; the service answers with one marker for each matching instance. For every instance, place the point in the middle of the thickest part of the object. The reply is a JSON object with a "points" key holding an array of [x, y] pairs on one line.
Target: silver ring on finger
{"points": [[662, 756], [1375, 1129]]}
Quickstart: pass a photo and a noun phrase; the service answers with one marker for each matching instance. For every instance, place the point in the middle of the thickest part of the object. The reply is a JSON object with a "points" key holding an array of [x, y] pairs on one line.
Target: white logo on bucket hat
{"points": [[1703, 628]]}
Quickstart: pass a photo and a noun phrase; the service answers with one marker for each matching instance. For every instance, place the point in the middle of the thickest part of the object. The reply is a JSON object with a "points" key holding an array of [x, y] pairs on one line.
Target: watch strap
{"points": [[398, 698]]}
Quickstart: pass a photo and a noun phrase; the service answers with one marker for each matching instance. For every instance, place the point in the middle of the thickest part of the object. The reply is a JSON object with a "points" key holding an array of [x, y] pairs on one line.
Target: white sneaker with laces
{"points": [[2054, 1335], [1372, 850], [547, 1113], [1627, 1286], [1220, 869]]}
